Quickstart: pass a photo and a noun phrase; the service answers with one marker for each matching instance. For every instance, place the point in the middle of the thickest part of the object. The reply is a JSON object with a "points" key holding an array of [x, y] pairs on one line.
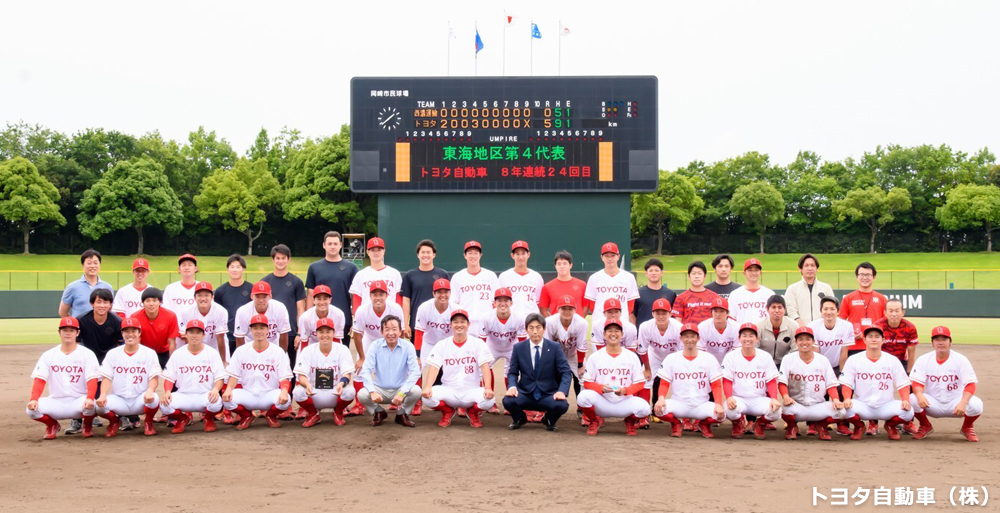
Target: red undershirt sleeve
{"points": [[418, 340], [91, 388], [399, 299], [355, 303], [782, 389], [581, 356], [635, 388], [727, 387], [631, 306], [833, 393], [590, 385], [904, 393], [285, 385], [644, 358], [772, 389], [37, 387], [848, 392], [717, 391], [168, 385], [970, 388], [664, 388]]}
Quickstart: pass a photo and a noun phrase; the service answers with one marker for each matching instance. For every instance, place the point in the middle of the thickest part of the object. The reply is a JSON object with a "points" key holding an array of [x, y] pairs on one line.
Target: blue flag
{"points": [[535, 33], [479, 42]]}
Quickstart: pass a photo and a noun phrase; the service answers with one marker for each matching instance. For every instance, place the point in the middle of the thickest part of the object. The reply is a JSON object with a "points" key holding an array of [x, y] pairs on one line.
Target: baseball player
{"points": [[720, 334], [564, 284], [128, 299], [749, 302], [212, 315], [433, 323], [324, 375], [70, 371], [131, 373], [502, 330], [832, 333], [472, 288], [657, 338], [692, 374], [262, 305], [868, 381], [376, 271], [610, 282], [806, 378], [569, 330], [611, 379], [179, 295], [750, 383], [264, 374], [944, 385], [464, 363], [630, 334], [368, 328], [694, 304], [524, 284], [321, 309], [197, 372]]}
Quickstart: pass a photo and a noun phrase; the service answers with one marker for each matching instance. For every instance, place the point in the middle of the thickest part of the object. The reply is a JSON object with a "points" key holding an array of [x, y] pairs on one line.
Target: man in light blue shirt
{"points": [[389, 375], [76, 298]]}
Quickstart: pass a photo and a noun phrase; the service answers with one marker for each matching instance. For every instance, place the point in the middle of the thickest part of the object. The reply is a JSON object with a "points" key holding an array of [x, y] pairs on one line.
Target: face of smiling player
{"points": [[325, 336], [689, 339], [203, 299], [259, 332], [459, 327], [132, 336], [502, 304], [613, 336], [748, 341], [805, 343], [378, 300], [322, 302], [195, 337], [520, 256]]}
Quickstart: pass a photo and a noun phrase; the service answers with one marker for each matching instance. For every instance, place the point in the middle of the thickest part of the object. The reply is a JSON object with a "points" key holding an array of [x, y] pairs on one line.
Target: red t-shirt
{"points": [[156, 332], [694, 307], [862, 305], [898, 339], [555, 289]]}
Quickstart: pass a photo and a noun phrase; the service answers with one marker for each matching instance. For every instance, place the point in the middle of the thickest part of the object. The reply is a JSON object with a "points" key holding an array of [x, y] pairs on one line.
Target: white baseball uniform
{"points": [[194, 375], [177, 297], [216, 323], [874, 383], [715, 343], [750, 378], [807, 385], [130, 375], [461, 376], [630, 336], [573, 339], [365, 277], [474, 294], [657, 345], [690, 384], [338, 361], [944, 384], [277, 321], [526, 289], [66, 376], [309, 318], [620, 370], [128, 300], [260, 373], [435, 325], [601, 286], [500, 337], [829, 341], [749, 306]]}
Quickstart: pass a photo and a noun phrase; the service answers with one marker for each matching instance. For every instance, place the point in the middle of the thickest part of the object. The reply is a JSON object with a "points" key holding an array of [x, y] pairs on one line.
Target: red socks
{"points": [[967, 423], [310, 407]]}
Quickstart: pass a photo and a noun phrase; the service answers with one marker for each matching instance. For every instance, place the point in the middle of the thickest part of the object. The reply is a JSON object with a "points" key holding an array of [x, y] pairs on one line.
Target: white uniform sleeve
{"points": [[591, 291], [633, 287], [285, 371], [346, 363], [240, 325], [772, 369], [716, 373], [235, 362], [168, 370], [590, 370], [917, 374], [218, 371], [284, 326], [899, 377], [338, 322], [356, 286], [484, 355], [91, 369], [831, 377], [421, 324], [847, 374], [41, 368], [435, 357], [105, 369], [785, 368], [638, 371], [966, 373], [301, 363], [359, 326], [303, 328], [119, 303], [581, 335], [727, 366], [666, 370]]}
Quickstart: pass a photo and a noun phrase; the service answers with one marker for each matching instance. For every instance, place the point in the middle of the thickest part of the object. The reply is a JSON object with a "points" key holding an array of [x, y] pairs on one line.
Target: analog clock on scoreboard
{"points": [[509, 134]]}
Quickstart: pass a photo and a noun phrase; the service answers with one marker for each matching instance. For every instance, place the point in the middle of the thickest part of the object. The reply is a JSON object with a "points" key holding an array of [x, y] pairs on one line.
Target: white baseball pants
{"points": [[697, 411], [883, 412], [759, 406], [630, 405], [655, 361], [938, 409], [243, 397], [816, 412], [59, 409], [192, 402], [458, 397], [127, 405], [323, 398]]}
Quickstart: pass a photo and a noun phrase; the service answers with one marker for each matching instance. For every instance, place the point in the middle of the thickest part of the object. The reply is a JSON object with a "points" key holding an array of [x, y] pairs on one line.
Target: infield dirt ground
{"points": [[392, 468]]}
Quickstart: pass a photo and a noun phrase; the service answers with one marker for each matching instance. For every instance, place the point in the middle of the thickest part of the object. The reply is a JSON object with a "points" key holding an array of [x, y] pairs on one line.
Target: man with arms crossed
{"points": [[804, 296]]}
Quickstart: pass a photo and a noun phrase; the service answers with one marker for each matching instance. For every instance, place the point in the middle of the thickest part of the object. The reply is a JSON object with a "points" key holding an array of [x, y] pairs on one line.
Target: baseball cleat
{"points": [[417, 409], [210, 424], [631, 422], [52, 427], [823, 432], [923, 432], [706, 429], [462, 413], [356, 410], [811, 430], [593, 428], [970, 434], [312, 420], [792, 431], [494, 410], [676, 430], [642, 423], [446, 416], [844, 429], [739, 425], [181, 424], [149, 429], [758, 428], [770, 426], [474, 420], [688, 425], [892, 431], [113, 424], [872, 428]]}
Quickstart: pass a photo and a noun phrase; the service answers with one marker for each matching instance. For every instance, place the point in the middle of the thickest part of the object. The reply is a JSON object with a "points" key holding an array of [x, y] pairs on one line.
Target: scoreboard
{"points": [[510, 134]]}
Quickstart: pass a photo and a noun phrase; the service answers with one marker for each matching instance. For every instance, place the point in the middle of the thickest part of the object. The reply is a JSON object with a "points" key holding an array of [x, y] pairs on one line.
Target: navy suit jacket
{"points": [[552, 374]]}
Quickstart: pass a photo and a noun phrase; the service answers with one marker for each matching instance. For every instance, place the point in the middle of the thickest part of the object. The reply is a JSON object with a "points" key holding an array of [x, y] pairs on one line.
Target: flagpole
{"points": [[504, 53], [449, 48], [532, 51], [477, 50], [560, 36]]}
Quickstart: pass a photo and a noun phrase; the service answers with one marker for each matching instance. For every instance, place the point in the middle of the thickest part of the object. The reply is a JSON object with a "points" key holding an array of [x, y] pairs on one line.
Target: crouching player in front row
{"points": [[324, 371], [466, 379], [692, 374], [264, 374], [198, 372], [750, 382], [612, 379], [944, 385], [806, 378], [131, 373], [70, 370], [869, 380]]}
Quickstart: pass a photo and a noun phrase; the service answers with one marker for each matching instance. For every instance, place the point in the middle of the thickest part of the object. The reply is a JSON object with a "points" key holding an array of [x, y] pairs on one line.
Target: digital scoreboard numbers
{"points": [[546, 134]]}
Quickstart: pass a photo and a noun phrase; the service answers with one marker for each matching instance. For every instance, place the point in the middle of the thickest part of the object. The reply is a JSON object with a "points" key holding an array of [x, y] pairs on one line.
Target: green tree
{"points": [[759, 204], [972, 206], [132, 195], [30, 141], [99, 151], [671, 207], [808, 193], [872, 206], [261, 147], [26, 197], [241, 197]]}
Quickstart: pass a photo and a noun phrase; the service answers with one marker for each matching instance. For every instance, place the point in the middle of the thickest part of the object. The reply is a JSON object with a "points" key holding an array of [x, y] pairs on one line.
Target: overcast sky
{"points": [[837, 78]]}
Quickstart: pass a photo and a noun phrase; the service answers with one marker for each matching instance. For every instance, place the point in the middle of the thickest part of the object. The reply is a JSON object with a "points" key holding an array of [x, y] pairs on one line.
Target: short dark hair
{"points": [[563, 255], [90, 253], [152, 292], [102, 293], [236, 257], [894, 300], [389, 318], [651, 262], [720, 258], [281, 248], [865, 265], [699, 264], [429, 243], [776, 299], [333, 233], [534, 317], [807, 256], [829, 299]]}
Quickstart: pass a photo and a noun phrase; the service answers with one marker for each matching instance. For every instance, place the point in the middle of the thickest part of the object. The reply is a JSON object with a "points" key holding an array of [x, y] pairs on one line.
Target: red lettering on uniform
{"points": [[460, 361], [259, 367], [749, 374], [874, 376], [130, 370], [794, 376], [948, 378], [73, 369]]}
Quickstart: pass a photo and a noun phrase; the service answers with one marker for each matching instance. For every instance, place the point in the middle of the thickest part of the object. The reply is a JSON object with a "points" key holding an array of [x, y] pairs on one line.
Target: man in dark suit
{"points": [[539, 377]]}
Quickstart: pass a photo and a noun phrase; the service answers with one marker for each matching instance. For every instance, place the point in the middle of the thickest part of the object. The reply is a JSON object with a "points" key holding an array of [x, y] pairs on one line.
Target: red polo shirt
{"points": [[156, 332]]}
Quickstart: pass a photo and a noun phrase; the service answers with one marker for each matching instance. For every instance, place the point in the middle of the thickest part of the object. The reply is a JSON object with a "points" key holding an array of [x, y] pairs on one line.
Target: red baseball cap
{"points": [[325, 322], [503, 292], [258, 319], [566, 301], [195, 323], [378, 285], [376, 242], [473, 244], [458, 312], [322, 289], [140, 263], [748, 326], [261, 287], [941, 331], [202, 285], [804, 330], [752, 261], [612, 304], [69, 322], [129, 322], [441, 284], [721, 302], [609, 247], [519, 244], [689, 327], [187, 256], [612, 322], [661, 304]]}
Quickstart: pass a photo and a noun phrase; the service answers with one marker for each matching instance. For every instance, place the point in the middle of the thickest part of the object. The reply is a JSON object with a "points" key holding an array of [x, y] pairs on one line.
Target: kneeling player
{"points": [[612, 378], [464, 363], [70, 370], [868, 380], [324, 371], [944, 385], [263, 371], [750, 382], [198, 372], [131, 373], [692, 374], [806, 376]]}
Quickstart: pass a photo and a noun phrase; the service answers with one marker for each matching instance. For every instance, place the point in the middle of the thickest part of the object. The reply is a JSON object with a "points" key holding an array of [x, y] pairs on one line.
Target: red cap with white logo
{"points": [[187, 256], [752, 261], [441, 284], [661, 304], [258, 319], [202, 285], [503, 292], [69, 322], [804, 330], [721, 302], [129, 322], [325, 322], [261, 287], [941, 331], [519, 244], [609, 247], [378, 285], [322, 289], [612, 304], [140, 263], [612, 322], [566, 301], [473, 244], [458, 312], [197, 324], [689, 327], [376, 242], [749, 326]]}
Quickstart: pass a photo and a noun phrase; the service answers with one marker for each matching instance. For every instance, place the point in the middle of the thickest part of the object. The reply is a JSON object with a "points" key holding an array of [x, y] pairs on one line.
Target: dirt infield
{"points": [[391, 468]]}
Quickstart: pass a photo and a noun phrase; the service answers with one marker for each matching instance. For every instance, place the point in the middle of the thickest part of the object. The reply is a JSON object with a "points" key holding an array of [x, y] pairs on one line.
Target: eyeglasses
{"points": [[866, 275]]}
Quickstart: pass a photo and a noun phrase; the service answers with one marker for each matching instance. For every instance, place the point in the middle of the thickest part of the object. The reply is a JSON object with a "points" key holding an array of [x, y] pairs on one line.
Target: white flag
{"points": [[565, 31]]}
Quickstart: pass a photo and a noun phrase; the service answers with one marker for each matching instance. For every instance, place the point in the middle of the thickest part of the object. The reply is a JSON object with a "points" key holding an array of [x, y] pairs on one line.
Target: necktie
{"points": [[538, 355]]}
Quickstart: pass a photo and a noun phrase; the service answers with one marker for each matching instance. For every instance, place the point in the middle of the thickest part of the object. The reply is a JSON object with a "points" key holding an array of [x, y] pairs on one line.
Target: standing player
{"points": [[321, 309], [214, 319], [128, 299], [472, 287], [70, 371], [831, 332], [368, 328], [273, 311], [502, 330], [806, 379], [862, 308], [612, 378], [179, 295], [75, 297], [610, 282], [659, 337], [338, 274], [720, 334], [569, 330], [723, 265], [564, 284], [804, 297], [648, 294], [693, 374], [159, 325], [900, 334], [131, 373], [100, 332], [287, 289], [324, 376], [464, 363], [261, 368], [694, 304], [748, 303], [377, 271], [868, 381], [750, 382], [418, 282], [233, 294], [944, 385], [524, 284], [434, 318], [197, 372]]}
